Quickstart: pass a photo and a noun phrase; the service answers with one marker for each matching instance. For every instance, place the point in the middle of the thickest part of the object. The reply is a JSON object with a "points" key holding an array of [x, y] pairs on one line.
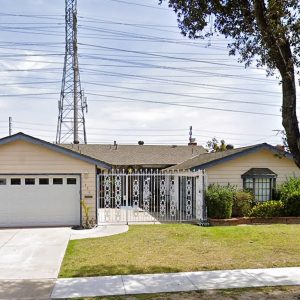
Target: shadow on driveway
{"points": [[26, 289]]}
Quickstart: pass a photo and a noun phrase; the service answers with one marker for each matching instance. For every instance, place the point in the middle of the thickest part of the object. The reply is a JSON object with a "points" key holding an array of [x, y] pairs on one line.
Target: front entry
{"points": [[150, 197]]}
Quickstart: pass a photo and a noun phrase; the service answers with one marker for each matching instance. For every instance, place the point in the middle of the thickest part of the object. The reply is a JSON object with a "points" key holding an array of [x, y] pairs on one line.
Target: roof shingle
{"points": [[131, 155], [204, 159]]}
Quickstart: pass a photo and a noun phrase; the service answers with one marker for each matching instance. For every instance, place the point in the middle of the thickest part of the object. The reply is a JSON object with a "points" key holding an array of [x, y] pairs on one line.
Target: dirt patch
{"points": [[259, 294], [268, 293]]}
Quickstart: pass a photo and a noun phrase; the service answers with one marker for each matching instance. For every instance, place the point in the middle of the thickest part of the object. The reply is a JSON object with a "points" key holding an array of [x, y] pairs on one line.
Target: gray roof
{"points": [[259, 172], [131, 155], [209, 159]]}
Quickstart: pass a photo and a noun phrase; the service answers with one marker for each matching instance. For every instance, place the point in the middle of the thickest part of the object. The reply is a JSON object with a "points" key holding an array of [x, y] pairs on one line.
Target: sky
{"points": [[142, 78]]}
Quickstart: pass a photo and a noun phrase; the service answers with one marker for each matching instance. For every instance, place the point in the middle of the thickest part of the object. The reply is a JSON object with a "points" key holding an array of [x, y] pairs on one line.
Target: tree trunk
{"points": [[289, 116], [281, 54]]}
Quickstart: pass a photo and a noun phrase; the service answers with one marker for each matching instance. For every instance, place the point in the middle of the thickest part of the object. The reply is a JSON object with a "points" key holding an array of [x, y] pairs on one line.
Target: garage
{"points": [[42, 184], [39, 200]]}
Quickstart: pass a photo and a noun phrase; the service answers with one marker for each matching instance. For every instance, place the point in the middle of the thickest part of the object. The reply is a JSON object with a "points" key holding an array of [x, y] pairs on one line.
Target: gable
{"points": [[230, 171], [21, 156], [21, 137]]}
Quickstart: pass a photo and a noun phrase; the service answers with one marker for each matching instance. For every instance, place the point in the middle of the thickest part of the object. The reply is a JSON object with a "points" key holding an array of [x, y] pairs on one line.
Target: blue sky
{"points": [[143, 80]]}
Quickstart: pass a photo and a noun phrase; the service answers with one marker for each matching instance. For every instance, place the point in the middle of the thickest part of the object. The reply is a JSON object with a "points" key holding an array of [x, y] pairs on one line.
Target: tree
{"points": [[284, 147], [215, 146], [263, 31]]}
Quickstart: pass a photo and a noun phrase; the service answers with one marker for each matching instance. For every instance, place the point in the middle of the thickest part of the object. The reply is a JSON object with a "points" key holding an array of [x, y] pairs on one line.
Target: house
{"points": [[259, 168], [41, 184]]}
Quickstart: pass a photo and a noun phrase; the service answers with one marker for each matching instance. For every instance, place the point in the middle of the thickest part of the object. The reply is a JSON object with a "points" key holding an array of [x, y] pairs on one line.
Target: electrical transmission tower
{"points": [[72, 103]]}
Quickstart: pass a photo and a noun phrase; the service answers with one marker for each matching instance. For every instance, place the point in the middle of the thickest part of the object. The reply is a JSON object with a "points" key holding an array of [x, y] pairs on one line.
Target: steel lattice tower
{"points": [[72, 103]]}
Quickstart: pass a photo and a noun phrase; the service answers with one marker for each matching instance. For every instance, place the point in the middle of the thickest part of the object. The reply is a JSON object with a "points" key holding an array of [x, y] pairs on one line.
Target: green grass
{"points": [[175, 248]]}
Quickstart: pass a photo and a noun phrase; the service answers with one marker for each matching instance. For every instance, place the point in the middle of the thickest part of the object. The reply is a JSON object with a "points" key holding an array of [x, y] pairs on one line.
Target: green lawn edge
{"points": [[149, 249]]}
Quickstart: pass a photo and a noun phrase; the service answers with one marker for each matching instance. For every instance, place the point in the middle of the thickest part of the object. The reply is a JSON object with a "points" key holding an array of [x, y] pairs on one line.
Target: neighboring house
{"points": [[259, 168], [138, 156], [41, 184]]}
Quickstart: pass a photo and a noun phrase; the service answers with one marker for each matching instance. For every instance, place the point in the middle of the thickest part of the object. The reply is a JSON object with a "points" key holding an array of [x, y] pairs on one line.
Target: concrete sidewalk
{"points": [[173, 282], [26, 289], [97, 232], [32, 253], [30, 258]]}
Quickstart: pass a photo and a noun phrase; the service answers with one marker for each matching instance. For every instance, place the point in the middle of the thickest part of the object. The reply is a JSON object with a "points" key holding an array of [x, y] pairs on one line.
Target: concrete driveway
{"points": [[34, 253]]}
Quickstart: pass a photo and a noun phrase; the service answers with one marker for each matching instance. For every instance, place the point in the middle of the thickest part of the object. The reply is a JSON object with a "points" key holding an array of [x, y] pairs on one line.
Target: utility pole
{"points": [[10, 126], [72, 104]]}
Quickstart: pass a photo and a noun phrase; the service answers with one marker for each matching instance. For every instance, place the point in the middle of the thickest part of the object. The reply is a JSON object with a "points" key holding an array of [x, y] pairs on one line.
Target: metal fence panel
{"points": [[150, 196]]}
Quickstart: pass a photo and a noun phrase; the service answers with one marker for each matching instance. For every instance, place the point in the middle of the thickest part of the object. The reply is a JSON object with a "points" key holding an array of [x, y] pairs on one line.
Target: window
{"points": [[44, 181], [57, 181], [261, 182], [71, 180], [15, 181], [2, 181], [29, 181]]}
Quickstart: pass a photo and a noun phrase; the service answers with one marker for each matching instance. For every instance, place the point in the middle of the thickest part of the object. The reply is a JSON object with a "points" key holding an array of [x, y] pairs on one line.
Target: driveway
{"points": [[34, 253]]}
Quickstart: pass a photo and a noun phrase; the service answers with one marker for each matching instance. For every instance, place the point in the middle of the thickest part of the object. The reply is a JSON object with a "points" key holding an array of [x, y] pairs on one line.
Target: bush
{"points": [[289, 187], [268, 209], [242, 204], [292, 205], [219, 201]]}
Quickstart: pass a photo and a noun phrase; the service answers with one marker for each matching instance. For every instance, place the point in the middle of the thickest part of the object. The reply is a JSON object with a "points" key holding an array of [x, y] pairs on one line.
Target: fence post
{"points": [[203, 217], [126, 197], [97, 197]]}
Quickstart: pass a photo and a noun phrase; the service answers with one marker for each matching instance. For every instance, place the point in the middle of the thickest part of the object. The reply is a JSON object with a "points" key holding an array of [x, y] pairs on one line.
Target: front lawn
{"points": [[178, 247]]}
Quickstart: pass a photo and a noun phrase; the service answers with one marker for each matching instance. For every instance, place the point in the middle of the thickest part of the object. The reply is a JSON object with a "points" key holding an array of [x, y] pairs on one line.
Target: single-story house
{"points": [[41, 184], [259, 168]]}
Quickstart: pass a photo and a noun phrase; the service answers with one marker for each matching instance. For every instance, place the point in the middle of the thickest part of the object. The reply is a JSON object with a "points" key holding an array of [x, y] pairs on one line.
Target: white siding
{"points": [[21, 157], [231, 170]]}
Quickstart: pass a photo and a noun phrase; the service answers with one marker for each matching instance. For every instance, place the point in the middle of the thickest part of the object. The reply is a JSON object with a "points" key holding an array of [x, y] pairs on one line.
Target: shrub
{"points": [[289, 187], [88, 223], [242, 203], [292, 205], [219, 201], [268, 209]]}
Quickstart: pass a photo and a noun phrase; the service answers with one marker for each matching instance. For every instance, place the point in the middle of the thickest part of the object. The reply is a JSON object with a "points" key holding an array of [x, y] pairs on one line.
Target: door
{"points": [[39, 200]]}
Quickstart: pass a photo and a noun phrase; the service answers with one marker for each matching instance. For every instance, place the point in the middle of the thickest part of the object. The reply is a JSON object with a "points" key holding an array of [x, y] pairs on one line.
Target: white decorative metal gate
{"points": [[151, 196]]}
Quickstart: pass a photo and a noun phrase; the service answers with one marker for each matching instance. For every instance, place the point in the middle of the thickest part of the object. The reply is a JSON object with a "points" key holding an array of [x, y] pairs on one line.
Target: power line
{"points": [[187, 95], [138, 129], [37, 16], [127, 75], [28, 83], [24, 95], [161, 55], [183, 105], [181, 69], [138, 4]]}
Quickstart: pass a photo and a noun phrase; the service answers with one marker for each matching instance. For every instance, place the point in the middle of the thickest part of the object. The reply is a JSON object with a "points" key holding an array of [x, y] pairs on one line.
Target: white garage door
{"points": [[39, 200]]}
